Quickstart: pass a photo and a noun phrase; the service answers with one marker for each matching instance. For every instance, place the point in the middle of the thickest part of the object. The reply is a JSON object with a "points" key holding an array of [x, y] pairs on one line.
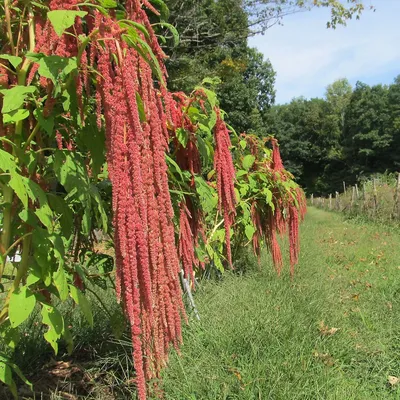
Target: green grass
{"points": [[260, 337]]}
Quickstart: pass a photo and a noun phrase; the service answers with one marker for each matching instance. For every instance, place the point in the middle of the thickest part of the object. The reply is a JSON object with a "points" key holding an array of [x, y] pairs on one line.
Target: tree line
{"points": [[351, 133], [343, 136]]}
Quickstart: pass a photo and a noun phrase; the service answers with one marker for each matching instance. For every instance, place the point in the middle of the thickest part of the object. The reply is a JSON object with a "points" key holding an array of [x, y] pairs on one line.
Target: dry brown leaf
{"points": [[393, 380], [325, 330]]}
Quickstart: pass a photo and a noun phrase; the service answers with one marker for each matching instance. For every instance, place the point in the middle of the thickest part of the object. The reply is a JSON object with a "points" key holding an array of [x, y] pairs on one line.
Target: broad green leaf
{"points": [[59, 205], [108, 3], [22, 303], [15, 97], [56, 68], [218, 262], [243, 144], [182, 136], [14, 60], [202, 148], [5, 373], [46, 123], [54, 320], [36, 193], [268, 195], [15, 116], [81, 300], [213, 119], [94, 192], [7, 161], [248, 162], [18, 185], [162, 7], [241, 172], [249, 230], [63, 19], [10, 336], [60, 282]]}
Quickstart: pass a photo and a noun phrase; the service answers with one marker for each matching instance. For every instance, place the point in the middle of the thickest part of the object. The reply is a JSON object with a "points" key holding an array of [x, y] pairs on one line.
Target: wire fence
{"points": [[377, 199]]}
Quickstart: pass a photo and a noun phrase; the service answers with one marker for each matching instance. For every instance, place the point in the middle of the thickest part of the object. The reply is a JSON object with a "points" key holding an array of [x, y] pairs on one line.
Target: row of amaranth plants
{"points": [[91, 139]]}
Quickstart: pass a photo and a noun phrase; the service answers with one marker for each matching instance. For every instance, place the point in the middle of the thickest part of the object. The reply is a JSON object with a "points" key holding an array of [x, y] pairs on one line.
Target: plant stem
{"points": [[7, 252], [8, 195], [8, 24], [24, 265], [31, 136]]}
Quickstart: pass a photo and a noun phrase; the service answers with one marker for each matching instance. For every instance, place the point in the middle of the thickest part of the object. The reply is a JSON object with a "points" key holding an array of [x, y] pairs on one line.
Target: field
{"points": [[331, 333]]}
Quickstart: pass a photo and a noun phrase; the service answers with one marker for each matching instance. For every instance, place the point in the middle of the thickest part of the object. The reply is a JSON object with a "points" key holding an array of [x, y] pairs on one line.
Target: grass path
{"points": [[332, 333]]}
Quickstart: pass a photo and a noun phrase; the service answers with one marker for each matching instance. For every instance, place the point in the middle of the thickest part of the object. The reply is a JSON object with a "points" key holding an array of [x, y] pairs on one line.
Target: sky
{"points": [[307, 56]]}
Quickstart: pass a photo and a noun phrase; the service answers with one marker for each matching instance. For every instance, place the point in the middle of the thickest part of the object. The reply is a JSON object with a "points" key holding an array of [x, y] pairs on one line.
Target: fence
{"points": [[377, 199]]}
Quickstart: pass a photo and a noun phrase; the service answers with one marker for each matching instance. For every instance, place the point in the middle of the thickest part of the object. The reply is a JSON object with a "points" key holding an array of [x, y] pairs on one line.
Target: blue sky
{"points": [[307, 56]]}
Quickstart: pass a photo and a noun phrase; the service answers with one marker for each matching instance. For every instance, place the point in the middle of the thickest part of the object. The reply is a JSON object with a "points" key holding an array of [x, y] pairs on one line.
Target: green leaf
{"points": [[18, 185], [7, 161], [22, 303], [14, 60], [15, 116], [182, 136], [108, 3], [45, 123], [241, 172], [268, 195], [212, 81], [249, 231], [248, 162], [43, 212], [173, 31], [54, 320], [59, 205], [17, 370], [82, 302], [60, 282], [243, 144], [15, 97], [56, 68], [162, 7], [141, 110], [10, 336], [94, 192], [63, 19], [5, 373]]}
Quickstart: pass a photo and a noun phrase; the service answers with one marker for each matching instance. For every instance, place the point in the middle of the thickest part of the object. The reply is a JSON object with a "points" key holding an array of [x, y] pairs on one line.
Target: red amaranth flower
{"points": [[223, 165]]}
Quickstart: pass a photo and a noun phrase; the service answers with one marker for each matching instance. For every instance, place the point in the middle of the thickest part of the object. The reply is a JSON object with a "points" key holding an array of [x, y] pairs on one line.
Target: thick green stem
{"points": [[8, 195]]}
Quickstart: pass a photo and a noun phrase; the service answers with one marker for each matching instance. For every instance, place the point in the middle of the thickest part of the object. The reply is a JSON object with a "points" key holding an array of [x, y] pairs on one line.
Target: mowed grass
{"points": [[331, 333]]}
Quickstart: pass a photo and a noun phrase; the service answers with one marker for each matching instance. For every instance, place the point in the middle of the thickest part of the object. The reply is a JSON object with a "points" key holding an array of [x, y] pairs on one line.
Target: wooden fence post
{"points": [[375, 196], [344, 187], [396, 198], [337, 201], [312, 199], [357, 193], [330, 201], [353, 197]]}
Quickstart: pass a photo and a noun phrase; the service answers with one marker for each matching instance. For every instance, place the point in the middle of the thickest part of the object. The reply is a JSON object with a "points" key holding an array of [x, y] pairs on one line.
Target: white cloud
{"points": [[308, 57]]}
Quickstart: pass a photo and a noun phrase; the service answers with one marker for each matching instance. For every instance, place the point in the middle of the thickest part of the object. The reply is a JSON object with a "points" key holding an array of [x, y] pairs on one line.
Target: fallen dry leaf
{"points": [[325, 330], [393, 380]]}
